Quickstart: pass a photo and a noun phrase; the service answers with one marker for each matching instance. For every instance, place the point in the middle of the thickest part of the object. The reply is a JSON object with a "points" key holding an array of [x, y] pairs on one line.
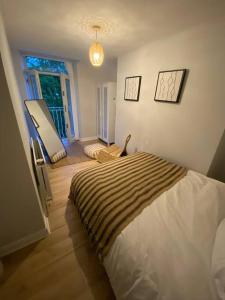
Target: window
{"points": [[45, 64]]}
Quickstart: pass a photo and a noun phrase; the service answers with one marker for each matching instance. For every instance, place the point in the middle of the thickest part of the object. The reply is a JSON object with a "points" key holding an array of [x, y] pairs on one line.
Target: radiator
{"points": [[41, 175]]}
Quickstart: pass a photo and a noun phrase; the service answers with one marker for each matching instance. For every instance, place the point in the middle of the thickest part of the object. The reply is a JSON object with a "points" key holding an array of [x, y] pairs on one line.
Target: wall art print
{"points": [[169, 85]]}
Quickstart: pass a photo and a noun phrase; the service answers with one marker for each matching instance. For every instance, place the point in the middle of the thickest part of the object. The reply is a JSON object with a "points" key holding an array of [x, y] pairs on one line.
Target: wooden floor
{"points": [[62, 266], [75, 153]]}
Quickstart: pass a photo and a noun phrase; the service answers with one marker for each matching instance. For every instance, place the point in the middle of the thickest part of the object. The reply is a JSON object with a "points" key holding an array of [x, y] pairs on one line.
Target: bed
{"points": [[157, 227]]}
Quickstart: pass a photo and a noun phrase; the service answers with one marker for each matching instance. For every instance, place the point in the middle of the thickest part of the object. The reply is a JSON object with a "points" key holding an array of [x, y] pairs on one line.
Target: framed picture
{"points": [[169, 85], [132, 88]]}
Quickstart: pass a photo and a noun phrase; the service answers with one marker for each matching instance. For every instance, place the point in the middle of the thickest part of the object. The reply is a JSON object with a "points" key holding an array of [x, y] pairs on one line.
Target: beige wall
{"points": [[14, 90], [20, 212], [88, 80], [217, 167], [187, 133]]}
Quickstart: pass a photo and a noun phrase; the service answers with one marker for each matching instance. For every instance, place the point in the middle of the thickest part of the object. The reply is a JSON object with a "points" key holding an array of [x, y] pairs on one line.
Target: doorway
{"points": [[49, 80], [52, 94]]}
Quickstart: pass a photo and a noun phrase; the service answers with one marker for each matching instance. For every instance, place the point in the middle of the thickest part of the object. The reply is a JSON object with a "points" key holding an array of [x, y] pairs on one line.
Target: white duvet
{"points": [[166, 252]]}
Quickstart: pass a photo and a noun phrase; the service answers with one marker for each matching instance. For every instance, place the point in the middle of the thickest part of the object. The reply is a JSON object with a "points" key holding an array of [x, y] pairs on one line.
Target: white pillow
{"points": [[218, 261], [93, 149]]}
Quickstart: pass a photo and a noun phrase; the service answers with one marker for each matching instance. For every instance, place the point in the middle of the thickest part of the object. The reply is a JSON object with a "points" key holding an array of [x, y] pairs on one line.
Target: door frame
{"points": [[65, 100]]}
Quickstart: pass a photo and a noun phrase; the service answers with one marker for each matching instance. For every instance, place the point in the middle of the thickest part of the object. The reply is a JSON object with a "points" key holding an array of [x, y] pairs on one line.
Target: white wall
{"points": [[20, 212], [189, 132], [17, 63], [89, 78]]}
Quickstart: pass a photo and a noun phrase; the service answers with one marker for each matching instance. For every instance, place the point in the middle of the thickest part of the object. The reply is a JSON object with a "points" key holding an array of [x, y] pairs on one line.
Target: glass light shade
{"points": [[96, 54]]}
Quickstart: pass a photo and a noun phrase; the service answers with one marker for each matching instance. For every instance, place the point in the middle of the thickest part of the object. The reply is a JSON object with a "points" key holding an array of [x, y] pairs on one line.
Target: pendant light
{"points": [[96, 52]]}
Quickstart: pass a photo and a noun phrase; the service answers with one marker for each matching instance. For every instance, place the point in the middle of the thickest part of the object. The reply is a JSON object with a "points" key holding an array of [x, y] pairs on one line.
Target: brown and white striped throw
{"points": [[112, 194]]}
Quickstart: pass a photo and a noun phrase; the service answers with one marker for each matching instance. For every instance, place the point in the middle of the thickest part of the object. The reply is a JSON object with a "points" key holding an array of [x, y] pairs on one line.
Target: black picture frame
{"points": [[179, 89], [135, 94]]}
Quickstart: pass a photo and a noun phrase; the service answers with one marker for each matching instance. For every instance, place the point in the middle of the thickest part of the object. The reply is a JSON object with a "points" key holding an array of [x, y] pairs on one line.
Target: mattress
{"points": [[166, 251]]}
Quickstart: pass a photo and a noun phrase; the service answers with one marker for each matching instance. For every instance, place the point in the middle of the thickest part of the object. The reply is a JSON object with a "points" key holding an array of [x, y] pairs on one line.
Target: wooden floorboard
{"points": [[75, 153], [63, 265]]}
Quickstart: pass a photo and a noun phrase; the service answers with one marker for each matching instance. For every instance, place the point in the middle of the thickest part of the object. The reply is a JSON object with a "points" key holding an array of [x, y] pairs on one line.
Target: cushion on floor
{"points": [[93, 149]]}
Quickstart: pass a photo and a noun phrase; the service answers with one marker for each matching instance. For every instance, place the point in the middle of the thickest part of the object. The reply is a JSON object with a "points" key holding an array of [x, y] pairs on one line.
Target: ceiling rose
{"points": [[86, 25]]}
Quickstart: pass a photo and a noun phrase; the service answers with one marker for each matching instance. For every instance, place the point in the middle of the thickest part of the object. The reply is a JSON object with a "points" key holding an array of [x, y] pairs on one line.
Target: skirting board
{"points": [[27, 240], [90, 138]]}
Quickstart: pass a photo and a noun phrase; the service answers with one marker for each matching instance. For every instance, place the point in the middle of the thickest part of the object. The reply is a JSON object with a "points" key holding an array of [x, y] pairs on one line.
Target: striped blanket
{"points": [[112, 194]]}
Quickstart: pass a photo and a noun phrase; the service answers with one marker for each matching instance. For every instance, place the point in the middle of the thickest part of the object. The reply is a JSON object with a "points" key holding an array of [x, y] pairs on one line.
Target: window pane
{"points": [[44, 64], [31, 85]]}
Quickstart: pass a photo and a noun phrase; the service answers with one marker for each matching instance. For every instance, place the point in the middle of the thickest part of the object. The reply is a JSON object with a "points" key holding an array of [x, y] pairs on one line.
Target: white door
{"points": [[67, 104], [99, 112], [105, 113]]}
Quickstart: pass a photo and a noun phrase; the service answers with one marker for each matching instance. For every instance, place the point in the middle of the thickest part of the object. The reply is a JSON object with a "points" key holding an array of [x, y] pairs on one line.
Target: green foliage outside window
{"points": [[51, 90], [45, 65]]}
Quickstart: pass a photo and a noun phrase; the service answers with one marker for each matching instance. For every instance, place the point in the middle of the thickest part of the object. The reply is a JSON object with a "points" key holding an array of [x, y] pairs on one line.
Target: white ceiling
{"points": [[62, 27]]}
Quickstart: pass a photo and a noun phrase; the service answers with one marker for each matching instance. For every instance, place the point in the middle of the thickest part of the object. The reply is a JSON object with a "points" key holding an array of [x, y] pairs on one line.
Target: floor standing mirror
{"points": [[46, 129]]}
